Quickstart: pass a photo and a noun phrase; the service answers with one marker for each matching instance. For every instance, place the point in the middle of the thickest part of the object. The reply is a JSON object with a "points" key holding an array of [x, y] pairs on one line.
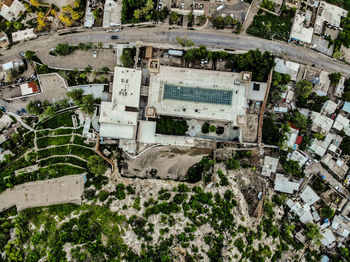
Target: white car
{"points": [[338, 189], [94, 53]]}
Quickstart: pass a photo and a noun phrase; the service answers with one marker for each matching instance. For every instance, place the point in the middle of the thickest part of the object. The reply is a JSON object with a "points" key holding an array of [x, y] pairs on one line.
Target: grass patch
{"points": [[59, 150], [266, 25], [63, 159], [53, 141], [42, 133], [81, 151], [78, 140], [63, 131], [57, 121]]}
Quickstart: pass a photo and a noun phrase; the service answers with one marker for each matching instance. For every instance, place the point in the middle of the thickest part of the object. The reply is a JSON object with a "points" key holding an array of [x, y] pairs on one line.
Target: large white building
{"points": [[118, 118], [199, 94], [191, 94]]}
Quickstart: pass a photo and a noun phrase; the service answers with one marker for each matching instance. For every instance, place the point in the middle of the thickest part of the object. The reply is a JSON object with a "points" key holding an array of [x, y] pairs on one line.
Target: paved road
{"points": [[218, 39]]}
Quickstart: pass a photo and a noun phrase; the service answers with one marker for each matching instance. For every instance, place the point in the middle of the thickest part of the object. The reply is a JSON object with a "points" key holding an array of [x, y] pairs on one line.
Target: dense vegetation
{"points": [[170, 126], [269, 26]]}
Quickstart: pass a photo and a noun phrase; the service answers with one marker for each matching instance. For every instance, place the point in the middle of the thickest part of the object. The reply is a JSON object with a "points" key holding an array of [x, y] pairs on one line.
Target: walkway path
{"points": [[19, 119]]}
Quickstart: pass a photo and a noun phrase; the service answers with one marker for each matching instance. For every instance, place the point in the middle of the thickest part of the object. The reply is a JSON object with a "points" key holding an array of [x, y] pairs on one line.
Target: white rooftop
{"points": [[112, 13], [195, 81], [329, 107], [299, 156], [282, 184], [118, 118], [287, 67], [328, 237], [299, 31], [319, 146], [341, 123], [23, 35], [328, 13], [257, 91], [13, 11], [270, 165], [321, 123], [309, 196]]}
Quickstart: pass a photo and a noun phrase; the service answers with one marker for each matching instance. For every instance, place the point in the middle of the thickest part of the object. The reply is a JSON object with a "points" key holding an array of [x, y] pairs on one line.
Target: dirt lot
{"points": [[165, 162], [250, 132], [80, 59]]}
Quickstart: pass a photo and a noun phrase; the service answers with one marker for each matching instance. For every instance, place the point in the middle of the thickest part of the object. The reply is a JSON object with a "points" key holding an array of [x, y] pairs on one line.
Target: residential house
{"points": [[270, 166], [287, 67], [319, 147], [11, 9], [309, 196], [320, 123], [329, 13], [301, 31], [328, 107], [284, 185], [337, 166]]}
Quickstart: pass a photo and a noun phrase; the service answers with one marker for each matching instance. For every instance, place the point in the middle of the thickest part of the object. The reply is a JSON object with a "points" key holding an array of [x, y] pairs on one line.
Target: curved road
{"points": [[217, 39]]}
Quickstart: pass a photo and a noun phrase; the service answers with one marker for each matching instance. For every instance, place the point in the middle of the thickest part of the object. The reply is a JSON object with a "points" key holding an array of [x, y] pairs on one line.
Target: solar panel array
{"points": [[196, 94]]}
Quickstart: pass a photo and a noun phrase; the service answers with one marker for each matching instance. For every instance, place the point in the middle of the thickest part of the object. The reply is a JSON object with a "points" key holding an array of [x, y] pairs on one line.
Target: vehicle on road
{"points": [[338, 189], [94, 53], [21, 54], [114, 37]]}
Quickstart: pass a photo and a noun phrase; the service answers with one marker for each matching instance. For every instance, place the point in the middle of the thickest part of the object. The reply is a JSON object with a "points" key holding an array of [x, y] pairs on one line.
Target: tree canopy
{"points": [[96, 165]]}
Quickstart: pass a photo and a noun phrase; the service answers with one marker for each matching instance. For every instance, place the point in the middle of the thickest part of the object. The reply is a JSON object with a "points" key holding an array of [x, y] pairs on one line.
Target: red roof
{"points": [[293, 126], [33, 86], [298, 140]]}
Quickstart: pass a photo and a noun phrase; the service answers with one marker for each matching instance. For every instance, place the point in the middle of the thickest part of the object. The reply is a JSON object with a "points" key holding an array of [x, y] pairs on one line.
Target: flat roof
{"points": [[309, 196], [328, 13], [299, 31], [198, 94], [118, 118], [24, 34], [126, 86], [287, 67]]}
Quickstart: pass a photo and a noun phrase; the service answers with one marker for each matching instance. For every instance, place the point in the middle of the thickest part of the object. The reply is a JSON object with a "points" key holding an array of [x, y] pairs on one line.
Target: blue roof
{"points": [[346, 107], [198, 95]]}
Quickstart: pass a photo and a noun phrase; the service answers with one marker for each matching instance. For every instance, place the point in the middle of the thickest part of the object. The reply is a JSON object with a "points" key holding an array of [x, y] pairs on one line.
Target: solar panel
{"points": [[196, 94]]}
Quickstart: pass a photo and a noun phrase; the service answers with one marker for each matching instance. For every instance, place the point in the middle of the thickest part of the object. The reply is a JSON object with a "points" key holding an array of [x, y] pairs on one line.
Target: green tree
{"points": [[76, 95], [174, 17], [232, 163], [313, 233], [64, 49], [96, 165], [49, 111], [345, 146], [327, 212], [299, 120], [292, 167], [304, 88], [34, 107], [127, 58], [334, 78], [29, 55], [87, 105]]}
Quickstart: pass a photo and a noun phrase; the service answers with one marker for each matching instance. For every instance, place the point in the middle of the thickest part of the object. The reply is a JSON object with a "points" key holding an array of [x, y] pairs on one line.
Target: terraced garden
{"points": [[54, 148]]}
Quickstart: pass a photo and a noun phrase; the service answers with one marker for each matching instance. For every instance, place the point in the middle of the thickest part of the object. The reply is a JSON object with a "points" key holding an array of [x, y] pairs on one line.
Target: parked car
{"points": [[21, 54], [338, 189], [94, 53], [117, 30], [114, 37]]}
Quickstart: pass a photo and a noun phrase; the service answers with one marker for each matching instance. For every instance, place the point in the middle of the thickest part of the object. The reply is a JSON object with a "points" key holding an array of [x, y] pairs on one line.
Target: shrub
{"points": [[103, 195], [205, 128], [212, 129], [120, 191], [232, 164]]}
